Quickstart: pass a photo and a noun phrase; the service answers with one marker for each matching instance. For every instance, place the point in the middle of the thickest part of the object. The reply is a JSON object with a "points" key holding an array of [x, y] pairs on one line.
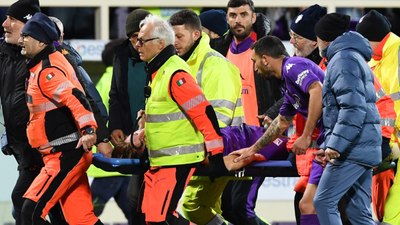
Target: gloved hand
{"points": [[217, 166]]}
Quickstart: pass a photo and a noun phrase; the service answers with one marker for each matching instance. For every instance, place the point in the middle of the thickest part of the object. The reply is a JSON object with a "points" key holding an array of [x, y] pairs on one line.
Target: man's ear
{"points": [[161, 44], [42, 44], [253, 17], [196, 34], [264, 59]]}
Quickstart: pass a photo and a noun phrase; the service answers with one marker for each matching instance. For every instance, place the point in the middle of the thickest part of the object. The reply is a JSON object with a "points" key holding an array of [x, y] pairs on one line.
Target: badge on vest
{"points": [[49, 76], [181, 82]]}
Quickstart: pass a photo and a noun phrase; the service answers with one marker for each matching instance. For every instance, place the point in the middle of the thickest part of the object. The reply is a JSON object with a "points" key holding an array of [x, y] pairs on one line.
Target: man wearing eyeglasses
{"points": [[127, 98], [304, 41], [180, 125], [212, 71]]}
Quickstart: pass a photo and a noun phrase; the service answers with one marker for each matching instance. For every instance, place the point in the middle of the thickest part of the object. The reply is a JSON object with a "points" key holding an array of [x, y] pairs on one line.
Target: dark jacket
{"points": [[351, 119], [13, 76], [93, 96], [267, 89], [126, 63]]}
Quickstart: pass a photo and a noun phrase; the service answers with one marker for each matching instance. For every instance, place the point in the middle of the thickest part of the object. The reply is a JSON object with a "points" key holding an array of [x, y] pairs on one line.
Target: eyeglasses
{"points": [[141, 41], [295, 36]]}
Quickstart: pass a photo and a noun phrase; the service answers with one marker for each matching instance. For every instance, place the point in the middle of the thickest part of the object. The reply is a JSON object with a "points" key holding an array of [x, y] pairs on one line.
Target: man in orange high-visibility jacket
{"points": [[61, 127]]}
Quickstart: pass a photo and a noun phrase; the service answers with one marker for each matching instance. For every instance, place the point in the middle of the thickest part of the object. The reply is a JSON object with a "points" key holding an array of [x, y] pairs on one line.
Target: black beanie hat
{"points": [[373, 26], [133, 21], [23, 10], [215, 21], [304, 23], [331, 26], [41, 28]]}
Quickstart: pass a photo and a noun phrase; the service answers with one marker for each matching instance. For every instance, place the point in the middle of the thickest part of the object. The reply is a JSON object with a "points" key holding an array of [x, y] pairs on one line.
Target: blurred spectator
{"points": [[214, 23]]}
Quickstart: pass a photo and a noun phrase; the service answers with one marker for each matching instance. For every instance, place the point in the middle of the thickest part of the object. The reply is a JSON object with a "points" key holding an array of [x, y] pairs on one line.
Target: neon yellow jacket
{"points": [[385, 62], [220, 82], [171, 139]]}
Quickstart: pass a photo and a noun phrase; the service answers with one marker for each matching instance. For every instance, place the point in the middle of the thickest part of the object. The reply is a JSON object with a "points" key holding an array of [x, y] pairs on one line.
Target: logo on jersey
{"points": [[278, 141], [301, 77], [296, 103], [289, 66]]}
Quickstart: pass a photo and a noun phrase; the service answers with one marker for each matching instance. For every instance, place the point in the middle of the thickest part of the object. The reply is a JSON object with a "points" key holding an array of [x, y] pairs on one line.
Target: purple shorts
{"points": [[315, 173]]}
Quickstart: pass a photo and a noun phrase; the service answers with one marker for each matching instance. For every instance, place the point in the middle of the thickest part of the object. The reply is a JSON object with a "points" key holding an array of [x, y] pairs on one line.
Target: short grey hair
{"points": [[162, 29]]}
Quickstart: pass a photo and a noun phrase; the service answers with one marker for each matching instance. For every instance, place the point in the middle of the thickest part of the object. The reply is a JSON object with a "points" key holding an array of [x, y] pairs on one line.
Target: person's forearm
{"points": [[275, 129], [314, 108]]}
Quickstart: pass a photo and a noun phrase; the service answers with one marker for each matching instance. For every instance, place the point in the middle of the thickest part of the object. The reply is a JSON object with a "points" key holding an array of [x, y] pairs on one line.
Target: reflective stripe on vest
{"points": [[85, 119], [165, 117], [199, 76], [44, 107], [238, 120], [60, 89], [214, 144], [222, 103], [178, 150], [388, 122], [193, 102], [59, 141], [380, 94]]}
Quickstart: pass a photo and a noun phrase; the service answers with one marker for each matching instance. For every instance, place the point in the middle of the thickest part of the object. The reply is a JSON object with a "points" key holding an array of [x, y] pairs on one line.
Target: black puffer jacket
{"points": [[13, 75], [267, 90]]}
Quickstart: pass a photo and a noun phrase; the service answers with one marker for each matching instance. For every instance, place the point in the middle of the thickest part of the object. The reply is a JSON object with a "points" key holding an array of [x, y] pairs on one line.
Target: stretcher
{"points": [[271, 168], [275, 159]]}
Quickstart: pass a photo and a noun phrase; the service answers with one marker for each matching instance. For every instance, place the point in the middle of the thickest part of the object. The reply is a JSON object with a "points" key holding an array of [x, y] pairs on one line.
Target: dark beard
{"points": [[241, 36]]}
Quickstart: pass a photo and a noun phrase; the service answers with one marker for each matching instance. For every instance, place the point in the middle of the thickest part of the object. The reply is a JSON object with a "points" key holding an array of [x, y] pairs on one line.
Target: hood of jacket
{"points": [[350, 40]]}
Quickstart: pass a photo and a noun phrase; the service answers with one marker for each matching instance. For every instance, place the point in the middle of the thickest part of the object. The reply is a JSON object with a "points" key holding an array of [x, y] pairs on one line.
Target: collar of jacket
{"points": [[159, 60], [239, 47], [41, 55], [187, 55], [13, 51], [378, 52]]}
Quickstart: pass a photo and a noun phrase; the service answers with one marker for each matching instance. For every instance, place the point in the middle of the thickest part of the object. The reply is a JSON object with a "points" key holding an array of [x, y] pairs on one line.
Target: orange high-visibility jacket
{"points": [[56, 101]]}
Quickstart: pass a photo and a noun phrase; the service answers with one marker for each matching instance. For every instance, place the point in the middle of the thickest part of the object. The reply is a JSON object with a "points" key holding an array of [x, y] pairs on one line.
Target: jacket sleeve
{"points": [[58, 89], [349, 91], [97, 105], [187, 94], [273, 111], [93, 95]]}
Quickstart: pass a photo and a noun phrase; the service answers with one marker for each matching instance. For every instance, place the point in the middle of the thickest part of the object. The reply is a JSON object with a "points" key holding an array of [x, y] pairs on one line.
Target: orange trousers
{"points": [[381, 184], [63, 179]]}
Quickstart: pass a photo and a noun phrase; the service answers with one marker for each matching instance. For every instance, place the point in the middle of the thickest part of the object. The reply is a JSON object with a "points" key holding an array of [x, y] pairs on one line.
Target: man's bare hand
{"points": [[320, 157], [243, 154], [301, 145], [266, 120], [87, 141], [117, 136], [105, 148]]}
